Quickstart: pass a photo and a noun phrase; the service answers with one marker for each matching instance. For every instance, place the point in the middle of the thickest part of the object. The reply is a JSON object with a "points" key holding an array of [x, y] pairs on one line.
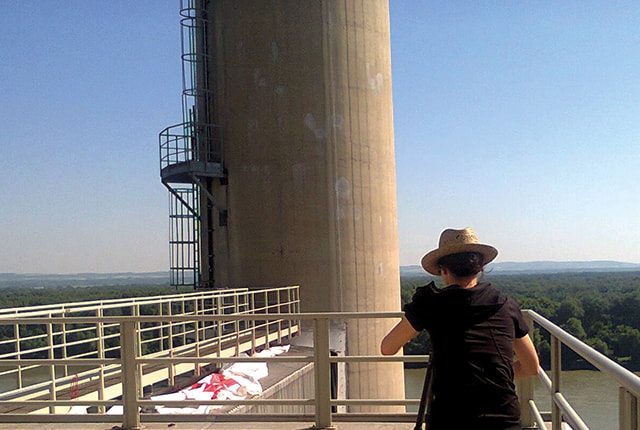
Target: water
{"points": [[35, 375], [592, 394]]}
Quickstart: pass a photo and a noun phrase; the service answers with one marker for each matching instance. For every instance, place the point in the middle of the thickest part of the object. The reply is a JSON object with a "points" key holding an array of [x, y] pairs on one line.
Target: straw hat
{"points": [[453, 242]]}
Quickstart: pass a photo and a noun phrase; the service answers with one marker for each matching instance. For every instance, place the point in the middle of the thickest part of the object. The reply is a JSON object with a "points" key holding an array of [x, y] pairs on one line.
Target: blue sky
{"points": [[520, 119]]}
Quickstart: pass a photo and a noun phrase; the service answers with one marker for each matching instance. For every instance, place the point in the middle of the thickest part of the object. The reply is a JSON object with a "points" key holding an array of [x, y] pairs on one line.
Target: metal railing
{"points": [[561, 409], [50, 352], [131, 360], [192, 142]]}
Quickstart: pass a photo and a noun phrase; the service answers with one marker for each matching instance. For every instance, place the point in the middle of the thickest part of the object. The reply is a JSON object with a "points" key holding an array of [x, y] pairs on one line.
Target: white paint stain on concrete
{"points": [[374, 81], [258, 79], [240, 48], [356, 213], [257, 169], [337, 121], [318, 131], [299, 171], [343, 188], [344, 207], [328, 19]]}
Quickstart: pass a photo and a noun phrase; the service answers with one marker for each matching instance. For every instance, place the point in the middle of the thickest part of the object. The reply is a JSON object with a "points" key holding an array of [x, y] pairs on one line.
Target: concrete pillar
{"points": [[303, 92]]}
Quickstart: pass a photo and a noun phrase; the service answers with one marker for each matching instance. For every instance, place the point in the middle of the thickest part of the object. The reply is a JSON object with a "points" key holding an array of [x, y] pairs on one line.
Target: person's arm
{"points": [[402, 333], [526, 363]]}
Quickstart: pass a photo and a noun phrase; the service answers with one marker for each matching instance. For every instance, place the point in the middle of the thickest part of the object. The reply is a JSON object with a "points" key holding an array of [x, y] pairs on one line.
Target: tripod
{"points": [[426, 397]]}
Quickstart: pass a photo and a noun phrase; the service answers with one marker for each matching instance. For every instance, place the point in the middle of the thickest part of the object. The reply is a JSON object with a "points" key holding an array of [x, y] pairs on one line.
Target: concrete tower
{"points": [[307, 195]]}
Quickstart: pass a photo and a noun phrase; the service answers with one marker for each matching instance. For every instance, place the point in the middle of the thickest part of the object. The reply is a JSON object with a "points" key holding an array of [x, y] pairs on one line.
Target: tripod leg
{"points": [[425, 398]]}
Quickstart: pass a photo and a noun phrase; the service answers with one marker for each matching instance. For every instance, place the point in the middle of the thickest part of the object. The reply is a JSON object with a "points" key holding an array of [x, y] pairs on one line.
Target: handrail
{"points": [[130, 360], [629, 382], [623, 376], [68, 332], [190, 141], [65, 308], [132, 402]]}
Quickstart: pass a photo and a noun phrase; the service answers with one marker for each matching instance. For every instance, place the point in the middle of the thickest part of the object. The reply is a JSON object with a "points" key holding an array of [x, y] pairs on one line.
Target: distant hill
{"points": [[564, 266], [540, 267], [413, 270], [162, 278], [82, 279]]}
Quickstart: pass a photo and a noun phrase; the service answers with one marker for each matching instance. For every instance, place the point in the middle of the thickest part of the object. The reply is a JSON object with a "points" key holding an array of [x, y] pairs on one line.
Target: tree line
{"points": [[79, 339], [600, 308], [22, 296]]}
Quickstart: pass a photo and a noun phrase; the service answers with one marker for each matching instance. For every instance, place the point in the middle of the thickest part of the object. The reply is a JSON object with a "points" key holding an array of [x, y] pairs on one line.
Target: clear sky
{"points": [[520, 119]]}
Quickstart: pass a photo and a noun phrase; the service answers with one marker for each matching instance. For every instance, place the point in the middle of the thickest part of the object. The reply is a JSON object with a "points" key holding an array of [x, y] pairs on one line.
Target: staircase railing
{"points": [[191, 153]]}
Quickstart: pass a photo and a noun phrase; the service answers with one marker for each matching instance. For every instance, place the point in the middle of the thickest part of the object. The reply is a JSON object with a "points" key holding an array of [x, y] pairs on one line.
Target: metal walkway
{"points": [[214, 426], [181, 333], [85, 352]]}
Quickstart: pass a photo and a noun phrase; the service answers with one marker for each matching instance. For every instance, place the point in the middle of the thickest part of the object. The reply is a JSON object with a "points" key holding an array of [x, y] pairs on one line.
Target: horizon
{"points": [[516, 119], [494, 263]]}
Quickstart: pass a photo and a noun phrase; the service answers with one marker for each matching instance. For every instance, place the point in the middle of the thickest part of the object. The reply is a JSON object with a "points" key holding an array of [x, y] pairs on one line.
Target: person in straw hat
{"points": [[475, 331]]}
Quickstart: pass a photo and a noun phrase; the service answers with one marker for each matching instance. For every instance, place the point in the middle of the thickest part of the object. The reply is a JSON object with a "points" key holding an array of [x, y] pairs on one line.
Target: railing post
{"points": [[101, 355], [170, 326], [556, 368], [18, 355], [278, 309], [623, 409], [171, 374], [217, 310], [52, 368], [160, 325], [252, 323], [138, 338], [196, 312], [183, 325], [322, 373], [627, 410], [128, 354], [64, 342], [196, 325], [525, 387]]}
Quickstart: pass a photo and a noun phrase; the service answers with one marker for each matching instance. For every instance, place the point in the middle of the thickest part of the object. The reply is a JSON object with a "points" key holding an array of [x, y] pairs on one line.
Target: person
{"points": [[475, 330]]}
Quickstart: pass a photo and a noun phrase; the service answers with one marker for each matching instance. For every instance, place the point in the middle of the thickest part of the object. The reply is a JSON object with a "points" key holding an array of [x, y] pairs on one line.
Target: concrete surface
{"points": [[208, 426]]}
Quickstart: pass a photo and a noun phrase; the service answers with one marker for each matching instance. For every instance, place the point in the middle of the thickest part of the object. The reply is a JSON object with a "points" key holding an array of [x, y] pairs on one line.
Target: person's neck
{"points": [[465, 282]]}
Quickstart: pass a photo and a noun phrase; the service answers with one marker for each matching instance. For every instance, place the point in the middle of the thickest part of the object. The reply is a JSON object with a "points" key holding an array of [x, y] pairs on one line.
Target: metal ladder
{"points": [[191, 153]]}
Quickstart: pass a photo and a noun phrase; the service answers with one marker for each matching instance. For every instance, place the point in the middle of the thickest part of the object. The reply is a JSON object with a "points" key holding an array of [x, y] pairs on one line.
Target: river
{"points": [[592, 394]]}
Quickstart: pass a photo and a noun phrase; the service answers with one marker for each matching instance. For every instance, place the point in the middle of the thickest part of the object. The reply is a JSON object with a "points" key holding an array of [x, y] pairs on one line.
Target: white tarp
{"points": [[237, 381]]}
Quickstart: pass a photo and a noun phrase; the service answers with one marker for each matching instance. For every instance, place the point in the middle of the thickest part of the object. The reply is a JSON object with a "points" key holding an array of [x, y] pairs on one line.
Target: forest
{"points": [[600, 308], [13, 297]]}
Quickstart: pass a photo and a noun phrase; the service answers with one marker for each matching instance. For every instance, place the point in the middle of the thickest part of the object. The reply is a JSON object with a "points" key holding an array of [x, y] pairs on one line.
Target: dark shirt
{"points": [[472, 332]]}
